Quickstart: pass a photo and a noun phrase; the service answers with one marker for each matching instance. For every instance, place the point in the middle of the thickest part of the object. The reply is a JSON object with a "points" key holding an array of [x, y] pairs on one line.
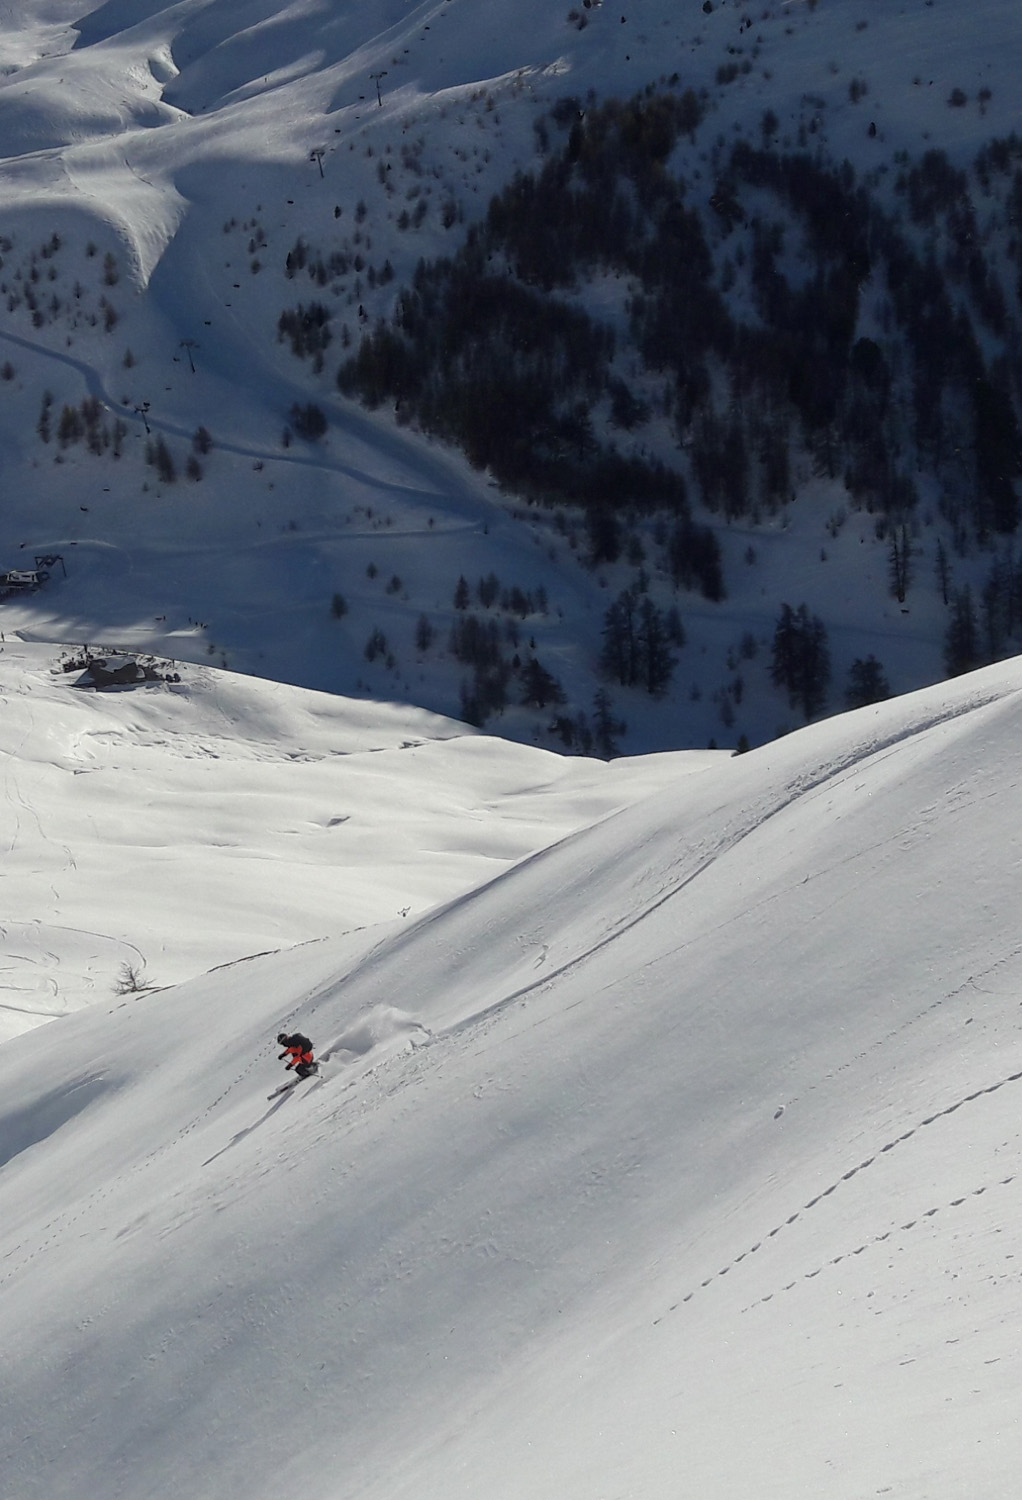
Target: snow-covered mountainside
{"points": [[153, 832], [665, 1141], [679, 1159], [175, 181]]}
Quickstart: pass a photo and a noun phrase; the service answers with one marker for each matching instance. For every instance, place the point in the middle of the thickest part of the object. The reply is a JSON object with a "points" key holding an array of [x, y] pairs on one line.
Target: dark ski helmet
{"points": [[281, 1037]]}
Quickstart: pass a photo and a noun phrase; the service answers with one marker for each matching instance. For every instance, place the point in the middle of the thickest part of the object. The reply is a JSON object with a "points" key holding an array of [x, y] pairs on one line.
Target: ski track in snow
{"points": [[800, 789], [596, 1390], [163, 1190], [910, 1021], [149, 420], [52, 1231]]}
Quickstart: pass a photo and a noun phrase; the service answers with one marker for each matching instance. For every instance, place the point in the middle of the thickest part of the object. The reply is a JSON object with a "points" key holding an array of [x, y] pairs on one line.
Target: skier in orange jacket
{"points": [[299, 1049]]}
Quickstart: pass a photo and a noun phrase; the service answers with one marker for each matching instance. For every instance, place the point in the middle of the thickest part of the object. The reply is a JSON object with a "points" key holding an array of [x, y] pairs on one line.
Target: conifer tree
{"points": [[961, 640], [801, 659], [866, 683]]}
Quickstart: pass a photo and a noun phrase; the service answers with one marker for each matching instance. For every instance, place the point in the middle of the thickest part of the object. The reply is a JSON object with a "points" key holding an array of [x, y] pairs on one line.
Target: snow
{"points": [[667, 1136], [173, 138], [176, 826], [682, 1152]]}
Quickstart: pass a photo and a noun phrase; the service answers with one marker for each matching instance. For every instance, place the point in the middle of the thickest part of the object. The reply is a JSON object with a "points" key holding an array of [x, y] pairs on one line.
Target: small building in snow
{"points": [[111, 671]]}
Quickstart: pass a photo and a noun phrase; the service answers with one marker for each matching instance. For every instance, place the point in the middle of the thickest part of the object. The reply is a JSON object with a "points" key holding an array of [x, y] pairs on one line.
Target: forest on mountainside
{"points": [[781, 305]]}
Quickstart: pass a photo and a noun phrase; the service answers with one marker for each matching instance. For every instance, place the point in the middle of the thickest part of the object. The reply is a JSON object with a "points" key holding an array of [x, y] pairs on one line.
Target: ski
{"points": [[292, 1082]]}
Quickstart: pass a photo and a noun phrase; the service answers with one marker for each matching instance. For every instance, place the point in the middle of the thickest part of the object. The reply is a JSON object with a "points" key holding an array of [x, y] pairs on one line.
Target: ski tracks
{"points": [[55, 1229], [749, 820], [326, 463], [799, 1213]]}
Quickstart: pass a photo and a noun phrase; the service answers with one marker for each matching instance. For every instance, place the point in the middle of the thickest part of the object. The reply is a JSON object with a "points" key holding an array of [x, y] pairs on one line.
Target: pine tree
{"points": [[606, 725], [801, 659], [604, 532], [539, 687], [655, 659], [489, 589], [998, 456], [961, 640], [619, 656], [164, 461], [866, 683], [943, 570], [901, 551]]}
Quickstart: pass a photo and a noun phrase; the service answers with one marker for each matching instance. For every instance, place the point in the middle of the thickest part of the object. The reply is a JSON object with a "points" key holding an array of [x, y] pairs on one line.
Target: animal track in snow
{"points": [[878, 1239], [852, 1172]]}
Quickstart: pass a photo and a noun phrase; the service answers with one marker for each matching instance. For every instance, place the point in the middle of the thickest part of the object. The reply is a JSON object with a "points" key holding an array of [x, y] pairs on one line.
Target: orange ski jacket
{"points": [[298, 1051]]}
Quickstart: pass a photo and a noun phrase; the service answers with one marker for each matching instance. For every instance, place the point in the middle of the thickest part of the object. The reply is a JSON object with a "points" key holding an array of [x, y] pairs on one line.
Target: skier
{"points": [[299, 1049]]}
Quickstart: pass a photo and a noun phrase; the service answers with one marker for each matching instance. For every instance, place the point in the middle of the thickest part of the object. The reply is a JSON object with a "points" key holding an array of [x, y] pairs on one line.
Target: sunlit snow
{"points": [[681, 1158], [666, 1139]]}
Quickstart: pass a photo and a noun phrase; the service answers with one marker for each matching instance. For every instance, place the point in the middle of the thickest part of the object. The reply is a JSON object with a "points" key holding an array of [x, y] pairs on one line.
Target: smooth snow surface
{"points": [[170, 827], [681, 1158]]}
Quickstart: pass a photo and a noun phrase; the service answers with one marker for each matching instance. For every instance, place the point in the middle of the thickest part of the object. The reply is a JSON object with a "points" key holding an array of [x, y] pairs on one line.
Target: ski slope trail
{"points": [[353, 427]]}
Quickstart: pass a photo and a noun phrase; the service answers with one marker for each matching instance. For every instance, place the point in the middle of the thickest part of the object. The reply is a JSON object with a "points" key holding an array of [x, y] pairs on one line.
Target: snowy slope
{"points": [[681, 1159], [196, 143], [667, 1142], [165, 829]]}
